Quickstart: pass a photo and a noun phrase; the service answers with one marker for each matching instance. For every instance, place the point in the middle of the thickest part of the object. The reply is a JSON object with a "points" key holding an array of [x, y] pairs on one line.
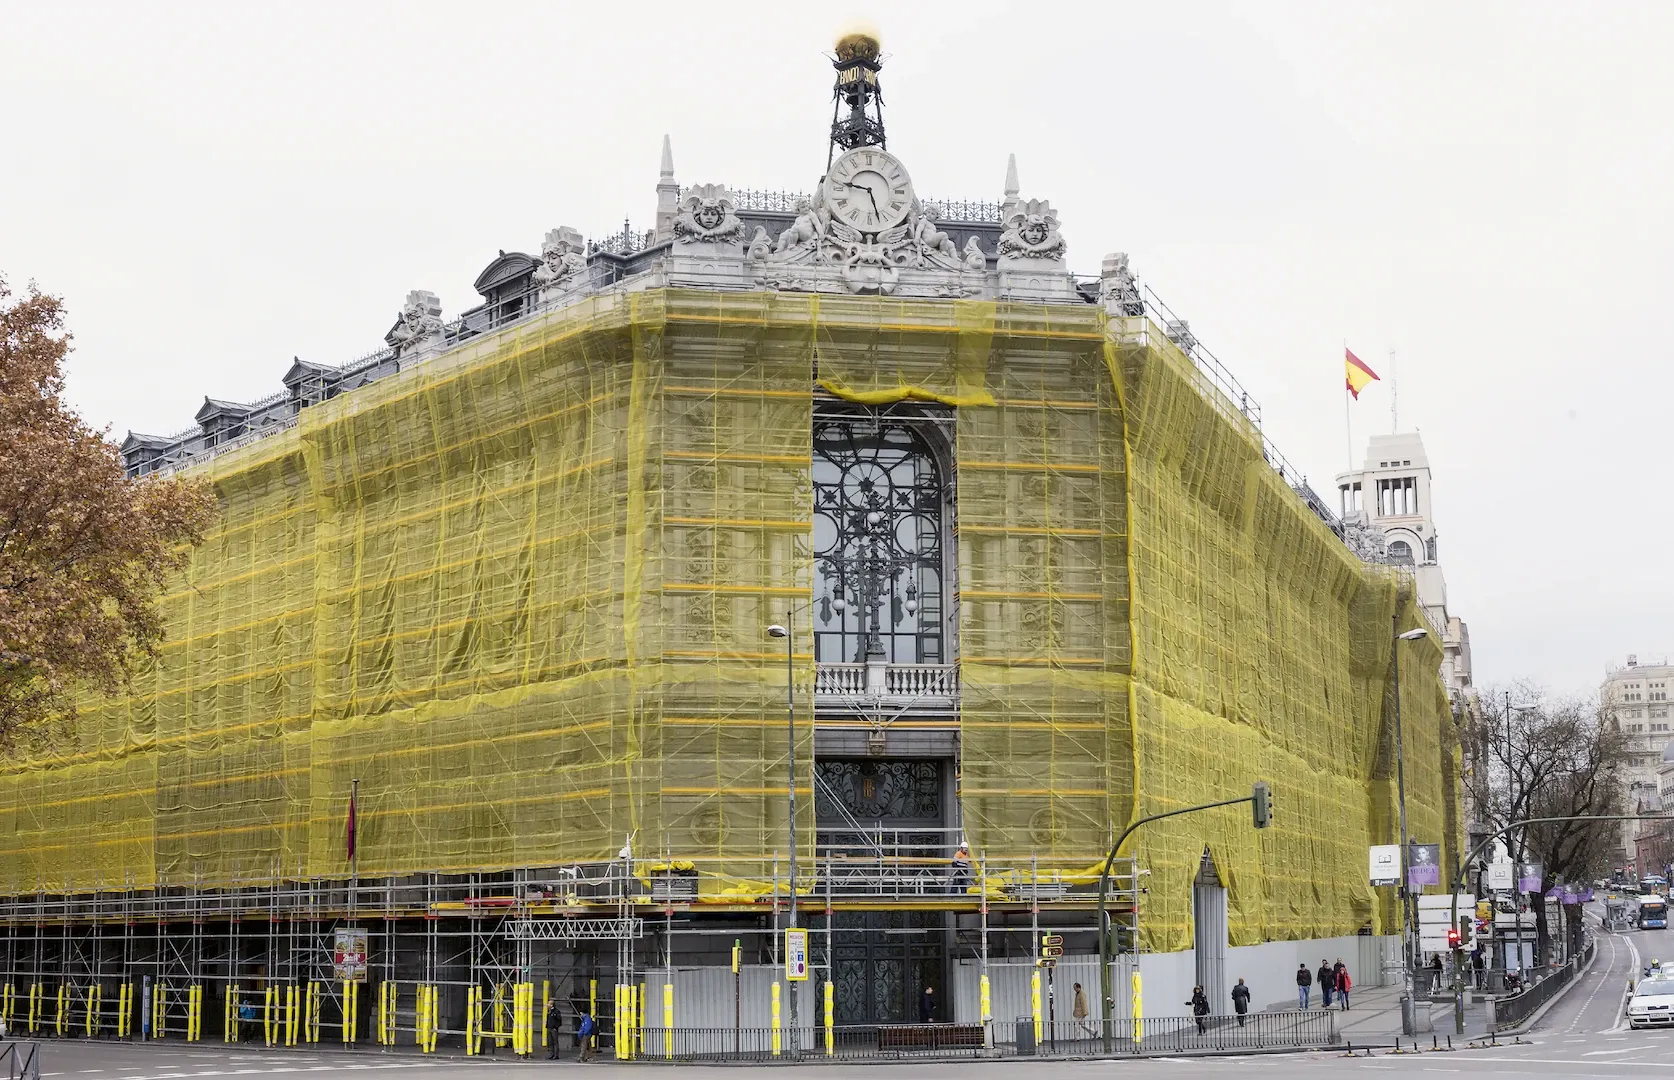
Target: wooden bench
{"points": [[931, 1037]]}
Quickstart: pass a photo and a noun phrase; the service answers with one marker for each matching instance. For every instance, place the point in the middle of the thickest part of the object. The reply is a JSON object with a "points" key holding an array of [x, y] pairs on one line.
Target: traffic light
{"points": [[1454, 940], [1261, 804]]}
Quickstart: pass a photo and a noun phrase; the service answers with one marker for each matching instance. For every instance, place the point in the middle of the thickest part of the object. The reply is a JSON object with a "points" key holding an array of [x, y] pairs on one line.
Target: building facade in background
{"points": [[1391, 494], [851, 501], [1635, 697]]}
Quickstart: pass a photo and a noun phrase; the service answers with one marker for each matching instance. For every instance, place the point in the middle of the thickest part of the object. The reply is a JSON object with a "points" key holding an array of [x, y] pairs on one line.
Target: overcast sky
{"points": [[1483, 188]]}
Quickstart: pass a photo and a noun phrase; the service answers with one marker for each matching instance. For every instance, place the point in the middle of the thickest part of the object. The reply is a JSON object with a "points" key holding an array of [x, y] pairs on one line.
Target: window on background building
{"points": [[1659, 727], [1636, 727], [1400, 553], [1662, 712]]}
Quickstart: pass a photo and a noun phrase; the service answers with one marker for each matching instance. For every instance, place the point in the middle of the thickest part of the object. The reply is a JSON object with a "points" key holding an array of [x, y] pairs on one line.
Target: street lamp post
{"points": [[790, 756], [1408, 1001]]}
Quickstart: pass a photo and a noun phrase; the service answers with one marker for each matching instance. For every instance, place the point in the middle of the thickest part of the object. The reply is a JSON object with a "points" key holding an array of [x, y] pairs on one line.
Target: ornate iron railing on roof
{"points": [[767, 202], [965, 210], [625, 242]]}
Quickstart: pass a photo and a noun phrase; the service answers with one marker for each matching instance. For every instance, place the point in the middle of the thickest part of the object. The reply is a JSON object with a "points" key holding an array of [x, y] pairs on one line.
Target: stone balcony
{"points": [[900, 685]]}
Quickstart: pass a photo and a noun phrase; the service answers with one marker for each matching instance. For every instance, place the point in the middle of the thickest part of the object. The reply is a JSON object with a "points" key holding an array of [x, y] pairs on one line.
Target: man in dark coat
{"points": [[1327, 982], [1304, 985], [927, 1006], [554, 1025], [1240, 1001]]}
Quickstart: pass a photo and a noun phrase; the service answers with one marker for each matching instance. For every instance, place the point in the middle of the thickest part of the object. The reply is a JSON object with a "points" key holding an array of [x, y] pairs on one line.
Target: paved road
{"points": [[1581, 1036]]}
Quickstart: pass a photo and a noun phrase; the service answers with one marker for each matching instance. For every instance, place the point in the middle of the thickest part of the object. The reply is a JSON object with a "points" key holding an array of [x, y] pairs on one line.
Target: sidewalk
{"points": [[1374, 1016]]}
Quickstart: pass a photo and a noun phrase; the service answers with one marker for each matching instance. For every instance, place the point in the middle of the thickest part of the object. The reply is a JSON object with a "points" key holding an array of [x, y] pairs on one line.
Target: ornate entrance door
{"points": [[881, 962]]}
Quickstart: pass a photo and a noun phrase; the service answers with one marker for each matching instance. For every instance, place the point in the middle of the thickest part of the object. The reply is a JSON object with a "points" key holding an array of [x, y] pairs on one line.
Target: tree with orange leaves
{"points": [[85, 551]]}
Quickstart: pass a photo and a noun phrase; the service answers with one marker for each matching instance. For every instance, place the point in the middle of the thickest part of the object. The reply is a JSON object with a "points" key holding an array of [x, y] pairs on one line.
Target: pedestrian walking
{"points": [[1200, 1008], [554, 1027], [585, 1029], [1240, 1001], [1079, 1011], [927, 1006], [1327, 980], [1341, 974], [1304, 985], [1435, 973]]}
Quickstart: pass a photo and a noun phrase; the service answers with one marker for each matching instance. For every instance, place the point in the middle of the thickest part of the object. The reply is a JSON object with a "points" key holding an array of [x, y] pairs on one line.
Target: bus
{"points": [[1653, 913]]}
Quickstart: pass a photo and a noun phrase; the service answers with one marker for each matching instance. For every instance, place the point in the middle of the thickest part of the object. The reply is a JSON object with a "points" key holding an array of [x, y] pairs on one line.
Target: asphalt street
{"points": [[1583, 1035]]}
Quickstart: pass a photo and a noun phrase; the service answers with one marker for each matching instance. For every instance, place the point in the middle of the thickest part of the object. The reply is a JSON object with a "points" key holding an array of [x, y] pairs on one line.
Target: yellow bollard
{"points": [[435, 1015], [776, 1036], [159, 1011], [546, 1003], [228, 1033], [421, 1017], [344, 1028], [268, 995], [292, 992], [1034, 1003], [63, 1009], [471, 995], [621, 1022], [194, 1011], [123, 1002], [593, 998], [34, 1004], [668, 1019], [1138, 1010], [986, 994], [830, 1018]]}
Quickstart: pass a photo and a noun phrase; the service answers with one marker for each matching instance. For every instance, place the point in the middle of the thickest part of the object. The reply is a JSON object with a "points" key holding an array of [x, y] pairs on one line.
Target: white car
{"points": [[1652, 1003]]}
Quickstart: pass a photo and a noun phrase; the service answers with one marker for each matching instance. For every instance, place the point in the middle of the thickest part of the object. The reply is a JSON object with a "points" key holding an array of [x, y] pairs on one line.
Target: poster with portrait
{"points": [[1424, 865]]}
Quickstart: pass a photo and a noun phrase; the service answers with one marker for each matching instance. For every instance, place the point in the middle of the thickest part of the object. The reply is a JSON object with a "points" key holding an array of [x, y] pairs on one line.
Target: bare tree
{"points": [[1534, 756]]}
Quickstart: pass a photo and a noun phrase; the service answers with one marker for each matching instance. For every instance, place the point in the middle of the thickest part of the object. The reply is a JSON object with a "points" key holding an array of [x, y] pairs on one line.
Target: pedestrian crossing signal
{"points": [[1051, 946]]}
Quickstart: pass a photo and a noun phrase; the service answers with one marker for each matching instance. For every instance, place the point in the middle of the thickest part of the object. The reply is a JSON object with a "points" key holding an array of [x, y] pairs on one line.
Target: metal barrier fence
{"points": [[20, 1060], [1186, 1034], [1511, 1011], [1011, 1038]]}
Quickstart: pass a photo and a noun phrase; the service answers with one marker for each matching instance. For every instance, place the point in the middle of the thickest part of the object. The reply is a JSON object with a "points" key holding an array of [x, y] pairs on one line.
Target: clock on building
{"points": [[868, 189]]}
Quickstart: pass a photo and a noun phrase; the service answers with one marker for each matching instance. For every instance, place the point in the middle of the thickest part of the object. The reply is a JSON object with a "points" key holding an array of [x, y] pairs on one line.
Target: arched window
{"points": [[878, 497], [1400, 553]]}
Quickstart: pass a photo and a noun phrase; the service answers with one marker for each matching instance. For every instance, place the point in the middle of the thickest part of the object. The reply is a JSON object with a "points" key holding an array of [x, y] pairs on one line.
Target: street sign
{"points": [[1502, 876], [796, 955], [1385, 864], [1051, 947], [1435, 919]]}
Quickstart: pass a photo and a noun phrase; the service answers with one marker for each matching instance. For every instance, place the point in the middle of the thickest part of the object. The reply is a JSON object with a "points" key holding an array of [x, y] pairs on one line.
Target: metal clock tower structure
{"points": [[857, 88]]}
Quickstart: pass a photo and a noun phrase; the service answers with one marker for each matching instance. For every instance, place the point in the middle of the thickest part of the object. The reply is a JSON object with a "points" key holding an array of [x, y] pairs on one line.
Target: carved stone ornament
{"points": [[563, 262], [870, 262], [706, 217], [419, 325], [1118, 291], [975, 259], [1031, 233], [1366, 540]]}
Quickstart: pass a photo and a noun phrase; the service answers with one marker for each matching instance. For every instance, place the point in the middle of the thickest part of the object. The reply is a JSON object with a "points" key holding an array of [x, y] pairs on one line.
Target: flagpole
{"points": [[354, 845], [1348, 414]]}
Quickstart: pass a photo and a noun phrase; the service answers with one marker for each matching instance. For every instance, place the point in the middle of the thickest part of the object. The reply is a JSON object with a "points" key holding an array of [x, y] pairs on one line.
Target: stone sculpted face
{"points": [[1034, 232], [709, 216]]}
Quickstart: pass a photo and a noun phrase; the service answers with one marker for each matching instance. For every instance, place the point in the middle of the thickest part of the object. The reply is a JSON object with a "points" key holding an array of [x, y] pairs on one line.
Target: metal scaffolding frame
{"points": [[472, 958]]}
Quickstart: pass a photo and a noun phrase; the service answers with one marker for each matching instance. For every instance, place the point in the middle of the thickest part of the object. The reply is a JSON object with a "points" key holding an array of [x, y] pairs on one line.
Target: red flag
{"points": [[350, 832]]}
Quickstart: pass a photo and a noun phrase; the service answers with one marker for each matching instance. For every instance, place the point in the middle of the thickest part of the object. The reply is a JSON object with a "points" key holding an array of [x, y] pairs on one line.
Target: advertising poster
{"points": [[1385, 864], [1424, 866], [348, 957], [1502, 876], [1528, 877]]}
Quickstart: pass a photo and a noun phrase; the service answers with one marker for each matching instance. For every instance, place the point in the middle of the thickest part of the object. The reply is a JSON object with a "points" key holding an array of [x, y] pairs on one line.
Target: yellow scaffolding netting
{"points": [[519, 592]]}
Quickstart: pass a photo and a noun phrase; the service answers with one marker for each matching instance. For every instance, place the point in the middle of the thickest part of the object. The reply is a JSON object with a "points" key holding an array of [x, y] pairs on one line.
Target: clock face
{"points": [[868, 189]]}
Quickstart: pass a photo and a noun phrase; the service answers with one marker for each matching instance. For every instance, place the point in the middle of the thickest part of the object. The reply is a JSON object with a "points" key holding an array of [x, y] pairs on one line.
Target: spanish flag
{"points": [[1359, 375]]}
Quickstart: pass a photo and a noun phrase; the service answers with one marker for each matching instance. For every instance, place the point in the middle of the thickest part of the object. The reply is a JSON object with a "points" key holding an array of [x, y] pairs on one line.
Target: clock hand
{"points": [[868, 189]]}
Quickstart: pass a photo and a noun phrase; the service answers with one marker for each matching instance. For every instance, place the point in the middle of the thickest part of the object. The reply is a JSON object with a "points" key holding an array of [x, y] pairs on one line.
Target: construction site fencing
{"points": [[1024, 1037]]}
